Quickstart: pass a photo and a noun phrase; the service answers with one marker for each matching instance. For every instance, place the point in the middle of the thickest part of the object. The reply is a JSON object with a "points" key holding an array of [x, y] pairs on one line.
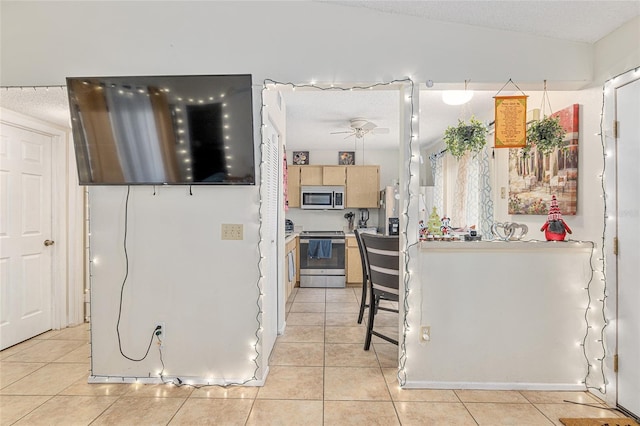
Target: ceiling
{"points": [[577, 20], [319, 113]]}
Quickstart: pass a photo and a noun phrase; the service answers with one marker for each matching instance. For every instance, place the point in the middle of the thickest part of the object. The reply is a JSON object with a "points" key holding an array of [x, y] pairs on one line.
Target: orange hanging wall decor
{"points": [[510, 121]]}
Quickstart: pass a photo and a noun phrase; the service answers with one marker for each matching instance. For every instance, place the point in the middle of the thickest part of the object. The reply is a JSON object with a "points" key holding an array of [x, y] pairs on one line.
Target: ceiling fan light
{"points": [[457, 97]]}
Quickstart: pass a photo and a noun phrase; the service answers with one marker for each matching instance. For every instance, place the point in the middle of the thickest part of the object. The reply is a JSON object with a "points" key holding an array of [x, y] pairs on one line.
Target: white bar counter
{"points": [[502, 315]]}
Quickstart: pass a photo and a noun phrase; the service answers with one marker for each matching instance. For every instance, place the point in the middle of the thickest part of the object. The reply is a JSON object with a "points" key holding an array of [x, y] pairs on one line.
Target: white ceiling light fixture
{"points": [[457, 97]]}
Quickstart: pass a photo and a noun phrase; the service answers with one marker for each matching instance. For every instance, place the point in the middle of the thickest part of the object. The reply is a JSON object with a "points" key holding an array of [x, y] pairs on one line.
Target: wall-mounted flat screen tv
{"points": [[152, 130]]}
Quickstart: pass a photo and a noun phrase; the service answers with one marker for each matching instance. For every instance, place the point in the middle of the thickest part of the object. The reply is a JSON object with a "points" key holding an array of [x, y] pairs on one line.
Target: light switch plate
{"points": [[232, 231]]}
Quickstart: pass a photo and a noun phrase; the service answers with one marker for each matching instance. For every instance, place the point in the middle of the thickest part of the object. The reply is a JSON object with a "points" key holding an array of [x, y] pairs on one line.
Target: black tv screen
{"points": [[151, 130]]}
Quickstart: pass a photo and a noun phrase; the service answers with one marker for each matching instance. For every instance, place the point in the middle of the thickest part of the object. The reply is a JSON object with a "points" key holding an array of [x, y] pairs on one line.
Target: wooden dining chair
{"points": [[383, 266], [365, 277]]}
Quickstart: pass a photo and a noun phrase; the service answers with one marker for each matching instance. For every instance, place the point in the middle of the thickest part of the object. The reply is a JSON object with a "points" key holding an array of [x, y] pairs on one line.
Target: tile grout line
{"points": [[324, 358]]}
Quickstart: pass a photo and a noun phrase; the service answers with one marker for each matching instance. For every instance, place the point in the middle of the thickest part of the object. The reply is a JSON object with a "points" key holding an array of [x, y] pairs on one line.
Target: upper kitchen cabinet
{"points": [[362, 183], [323, 175], [293, 186], [363, 186], [334, 175], [310, 175]]}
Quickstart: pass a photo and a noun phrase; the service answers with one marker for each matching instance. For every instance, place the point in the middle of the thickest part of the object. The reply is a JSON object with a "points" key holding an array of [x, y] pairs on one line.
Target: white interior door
{"points": [[270, 224], [628, 198], [25, 225]]}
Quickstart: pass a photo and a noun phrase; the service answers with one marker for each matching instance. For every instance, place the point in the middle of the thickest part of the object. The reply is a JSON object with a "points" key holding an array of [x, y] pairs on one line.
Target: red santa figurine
{"points": [[555, 229]]}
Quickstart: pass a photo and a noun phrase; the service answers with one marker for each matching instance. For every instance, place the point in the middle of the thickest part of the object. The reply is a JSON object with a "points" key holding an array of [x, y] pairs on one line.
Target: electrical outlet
{"points": [[160, 332], [232, 231], [503, 192], [425, 333]]}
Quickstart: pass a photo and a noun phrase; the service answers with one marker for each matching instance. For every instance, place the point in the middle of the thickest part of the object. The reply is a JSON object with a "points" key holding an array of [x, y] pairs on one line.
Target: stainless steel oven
{"points": [[322, 255]]}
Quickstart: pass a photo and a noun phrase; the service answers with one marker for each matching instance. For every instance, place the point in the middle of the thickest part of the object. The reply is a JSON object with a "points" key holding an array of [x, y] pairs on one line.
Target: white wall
{"points": [[178, 274], [617, 52], [567, 366], [502, 315], [587, 224], [43, 42]]}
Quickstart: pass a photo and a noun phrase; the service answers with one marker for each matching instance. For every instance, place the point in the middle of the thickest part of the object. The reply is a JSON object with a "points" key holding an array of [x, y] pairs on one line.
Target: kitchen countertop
{"points": [[290, 236]]}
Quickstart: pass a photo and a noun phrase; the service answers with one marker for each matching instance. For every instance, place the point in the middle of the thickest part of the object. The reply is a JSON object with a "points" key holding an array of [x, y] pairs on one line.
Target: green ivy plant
{"points": [[465, 137], [546, 135]]}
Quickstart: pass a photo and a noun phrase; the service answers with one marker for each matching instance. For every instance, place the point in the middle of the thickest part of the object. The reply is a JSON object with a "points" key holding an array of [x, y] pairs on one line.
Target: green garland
{"points": [[546, 135], [465, 137]]}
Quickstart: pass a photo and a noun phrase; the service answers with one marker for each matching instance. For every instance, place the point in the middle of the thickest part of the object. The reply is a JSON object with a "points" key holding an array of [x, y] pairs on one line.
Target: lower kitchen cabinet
{"points": [[290, 280], [354, 264]]}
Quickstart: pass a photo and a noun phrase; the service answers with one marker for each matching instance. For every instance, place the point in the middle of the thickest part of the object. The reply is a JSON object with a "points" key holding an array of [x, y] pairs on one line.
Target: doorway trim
{"points": [[609, 140], [408, 170], [67, 279]]}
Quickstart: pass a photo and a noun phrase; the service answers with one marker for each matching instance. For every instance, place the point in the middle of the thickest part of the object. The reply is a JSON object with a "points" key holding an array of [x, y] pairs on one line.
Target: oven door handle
{"points": [[333, 241]]}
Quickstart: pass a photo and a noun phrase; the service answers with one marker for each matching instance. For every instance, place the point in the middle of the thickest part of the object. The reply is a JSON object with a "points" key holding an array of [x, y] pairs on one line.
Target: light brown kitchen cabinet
{"points": [[310, 175], [362, 183], [334, 175], [363, 187], [354, 264], [322, 175], [291, 281], [293, 185]]}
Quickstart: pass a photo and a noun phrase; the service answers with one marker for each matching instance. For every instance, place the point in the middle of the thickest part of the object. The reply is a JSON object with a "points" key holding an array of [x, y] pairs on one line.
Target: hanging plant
{"points": [[465, 137], [546, 135]]}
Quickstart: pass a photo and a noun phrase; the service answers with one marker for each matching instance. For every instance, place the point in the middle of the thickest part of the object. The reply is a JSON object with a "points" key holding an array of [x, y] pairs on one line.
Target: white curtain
{"points": [[437, 162], [472, 202]]}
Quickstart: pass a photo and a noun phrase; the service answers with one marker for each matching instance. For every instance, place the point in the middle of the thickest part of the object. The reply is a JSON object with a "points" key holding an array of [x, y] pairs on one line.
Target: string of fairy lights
{"points": [[409, 84], [402, 359], [175, 380], [602, 259], [593, 363]]}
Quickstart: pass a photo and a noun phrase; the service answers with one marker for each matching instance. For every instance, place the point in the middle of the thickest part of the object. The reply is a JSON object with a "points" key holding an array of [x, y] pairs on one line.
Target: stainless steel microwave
{"points": [[322, 197]]}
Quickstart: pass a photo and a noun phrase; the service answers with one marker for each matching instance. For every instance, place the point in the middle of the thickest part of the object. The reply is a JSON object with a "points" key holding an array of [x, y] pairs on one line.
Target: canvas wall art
{"points": [[346, 158], [535, 178], [300, 158]]}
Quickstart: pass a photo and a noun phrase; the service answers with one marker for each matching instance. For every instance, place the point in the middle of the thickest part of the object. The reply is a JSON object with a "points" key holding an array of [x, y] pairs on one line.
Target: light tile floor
{"points": [[320, 374]]}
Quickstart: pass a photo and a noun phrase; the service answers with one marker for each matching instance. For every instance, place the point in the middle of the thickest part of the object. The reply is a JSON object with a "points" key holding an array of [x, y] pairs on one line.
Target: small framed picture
{"points": [[346, 158], [300, 158]]}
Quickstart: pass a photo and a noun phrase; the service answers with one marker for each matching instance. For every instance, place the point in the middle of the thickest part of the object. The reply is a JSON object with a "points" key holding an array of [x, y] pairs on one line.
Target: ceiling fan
{"points": [[359, 127]]}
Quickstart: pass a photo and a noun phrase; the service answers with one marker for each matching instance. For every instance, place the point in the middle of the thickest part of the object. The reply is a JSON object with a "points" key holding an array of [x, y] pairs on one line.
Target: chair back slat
{"points": [[383, 257]]}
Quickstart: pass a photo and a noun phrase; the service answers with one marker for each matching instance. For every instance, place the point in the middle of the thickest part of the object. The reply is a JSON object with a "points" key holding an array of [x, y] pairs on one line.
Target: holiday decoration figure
{"points": [[445, 228], [555, 229], [422, 231], [433, 225]]}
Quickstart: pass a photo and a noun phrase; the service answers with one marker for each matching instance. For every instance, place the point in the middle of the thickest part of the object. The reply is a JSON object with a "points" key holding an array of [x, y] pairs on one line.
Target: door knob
{"points": [[48, 243]]}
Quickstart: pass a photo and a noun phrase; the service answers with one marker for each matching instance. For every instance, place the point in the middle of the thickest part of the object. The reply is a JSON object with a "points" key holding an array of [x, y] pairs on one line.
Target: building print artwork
{"points": [[535, 178]]}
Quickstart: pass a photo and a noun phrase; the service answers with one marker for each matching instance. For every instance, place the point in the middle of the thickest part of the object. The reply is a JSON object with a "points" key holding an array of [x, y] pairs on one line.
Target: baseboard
{"points": [[180, 381], [494, 386]]}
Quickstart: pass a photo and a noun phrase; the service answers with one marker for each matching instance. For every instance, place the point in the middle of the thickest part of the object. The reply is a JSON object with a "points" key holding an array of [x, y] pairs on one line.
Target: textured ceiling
{"points": [[576, 20], [50, 104]]}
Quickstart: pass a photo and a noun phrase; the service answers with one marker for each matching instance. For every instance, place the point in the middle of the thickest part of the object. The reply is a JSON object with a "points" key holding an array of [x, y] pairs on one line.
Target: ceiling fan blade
{"points": [[380, 130], [368, 126], [337, 133]]}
